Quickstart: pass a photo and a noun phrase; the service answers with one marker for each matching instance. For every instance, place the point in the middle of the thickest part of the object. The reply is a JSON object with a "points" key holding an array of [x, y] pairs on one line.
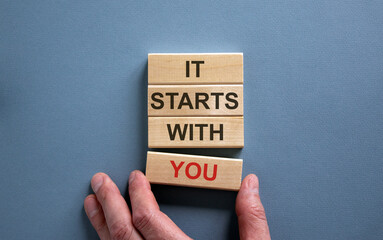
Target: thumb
{"points": [[251, 214], [147, 217]]}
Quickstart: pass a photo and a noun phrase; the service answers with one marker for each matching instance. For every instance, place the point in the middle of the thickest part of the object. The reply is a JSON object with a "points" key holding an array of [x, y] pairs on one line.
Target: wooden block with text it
{"points": [[195, 132], [194, 171], [199, 68], [195, 100]]}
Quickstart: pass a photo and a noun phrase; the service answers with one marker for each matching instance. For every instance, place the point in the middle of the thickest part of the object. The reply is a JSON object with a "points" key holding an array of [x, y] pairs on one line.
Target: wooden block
{"points": [[195, 132], [200, 68], [194, 171], [195, 100]]}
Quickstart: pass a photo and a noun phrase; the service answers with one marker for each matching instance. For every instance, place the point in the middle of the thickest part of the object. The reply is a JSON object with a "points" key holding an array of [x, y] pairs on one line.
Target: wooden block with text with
{"points": [[195, 132], [194, 171], [195, 100]]}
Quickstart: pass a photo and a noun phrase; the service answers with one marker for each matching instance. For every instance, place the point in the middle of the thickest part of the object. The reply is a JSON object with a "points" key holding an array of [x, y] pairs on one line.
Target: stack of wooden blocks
{"points": [[195, 101]]}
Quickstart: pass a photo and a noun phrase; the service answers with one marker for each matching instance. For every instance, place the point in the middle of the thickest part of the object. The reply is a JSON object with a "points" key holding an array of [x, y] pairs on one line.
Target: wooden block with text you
{"points": [[194, 171], [199, 68], [195, 100], [195, 132]]}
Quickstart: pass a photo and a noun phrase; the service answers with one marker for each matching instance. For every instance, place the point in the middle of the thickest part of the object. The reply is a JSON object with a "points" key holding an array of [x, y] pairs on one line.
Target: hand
{"points": [[111, 217]]}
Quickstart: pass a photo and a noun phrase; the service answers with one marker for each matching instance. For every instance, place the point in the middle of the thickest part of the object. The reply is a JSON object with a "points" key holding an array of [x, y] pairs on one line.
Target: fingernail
{"points": [[132, 176], [91, 207], [252, 184], [96, 182]]}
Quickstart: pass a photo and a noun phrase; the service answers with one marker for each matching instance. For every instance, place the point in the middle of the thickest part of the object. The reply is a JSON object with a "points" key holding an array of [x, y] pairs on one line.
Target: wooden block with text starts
{"points": [[194, 171], [195, 100]]}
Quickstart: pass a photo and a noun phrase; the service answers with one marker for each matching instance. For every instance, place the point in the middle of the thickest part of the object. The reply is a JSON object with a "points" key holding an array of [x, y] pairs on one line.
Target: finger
{"points": [[147, 217], [96, 216], [251, 214], [116, 211]]}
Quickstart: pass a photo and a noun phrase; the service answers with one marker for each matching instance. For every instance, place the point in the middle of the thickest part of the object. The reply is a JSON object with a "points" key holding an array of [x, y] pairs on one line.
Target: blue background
{"points": [[73, 82]]}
